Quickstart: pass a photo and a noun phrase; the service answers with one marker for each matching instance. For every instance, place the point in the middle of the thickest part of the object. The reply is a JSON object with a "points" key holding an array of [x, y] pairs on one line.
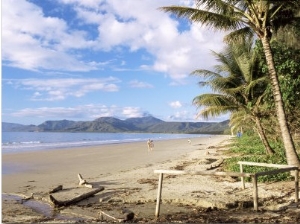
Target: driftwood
{"points": [[56, 189], [127, 215], [109, 216], [215, 164], [25, 198], [74, 200], [83, 182]]}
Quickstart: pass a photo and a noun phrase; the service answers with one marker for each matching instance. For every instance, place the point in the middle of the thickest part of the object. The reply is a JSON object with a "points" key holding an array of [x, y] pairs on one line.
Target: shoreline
{"points": [[91, 161], [12, 147]]}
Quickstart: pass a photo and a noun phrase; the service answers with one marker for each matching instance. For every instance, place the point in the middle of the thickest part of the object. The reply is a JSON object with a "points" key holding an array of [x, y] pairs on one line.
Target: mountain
{"points": [[146, 124], [18, 127], [55, 125]]}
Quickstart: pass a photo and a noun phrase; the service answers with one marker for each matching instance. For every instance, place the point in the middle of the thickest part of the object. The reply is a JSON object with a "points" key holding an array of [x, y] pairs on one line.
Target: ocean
{"points": [[14, 142]]}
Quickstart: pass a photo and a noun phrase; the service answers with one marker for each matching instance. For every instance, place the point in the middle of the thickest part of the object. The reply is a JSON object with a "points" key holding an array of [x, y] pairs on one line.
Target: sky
{"points": [[81, 60]]}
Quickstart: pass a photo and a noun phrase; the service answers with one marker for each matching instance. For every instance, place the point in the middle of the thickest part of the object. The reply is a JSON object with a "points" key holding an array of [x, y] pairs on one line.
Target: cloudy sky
{"points": [[80, 60]]}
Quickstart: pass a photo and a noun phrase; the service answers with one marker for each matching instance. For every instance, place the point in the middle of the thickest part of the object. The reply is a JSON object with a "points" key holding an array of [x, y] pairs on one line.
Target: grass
{"points": [[249, 148]]}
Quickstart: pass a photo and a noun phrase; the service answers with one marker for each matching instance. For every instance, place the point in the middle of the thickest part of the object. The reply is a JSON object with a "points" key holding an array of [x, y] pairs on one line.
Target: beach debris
{"points": [[26, 198], [56, 189], [102, 213], [215, 164], [74, 200], [127, 214], [83, 182], [204, 161], [211, 147]]}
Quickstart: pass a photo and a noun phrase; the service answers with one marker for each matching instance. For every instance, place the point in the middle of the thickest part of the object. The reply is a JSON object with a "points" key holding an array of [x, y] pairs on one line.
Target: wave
{"points": [[36, 145], [24, 141]]}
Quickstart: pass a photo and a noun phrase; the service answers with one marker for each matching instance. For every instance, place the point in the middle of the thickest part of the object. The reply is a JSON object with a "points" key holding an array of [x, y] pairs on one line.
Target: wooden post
{"points": [[296, 185], [160, 181], [242, 178], [255, 192]]}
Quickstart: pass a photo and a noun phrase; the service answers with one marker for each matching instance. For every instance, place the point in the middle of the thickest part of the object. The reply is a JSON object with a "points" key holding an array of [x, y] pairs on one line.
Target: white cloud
{"points": [[60, 89], [33, 41], [86, 112], [175, 104], [180, 115], [86, 3], [176, 53], [138, 84], [132, 112]]}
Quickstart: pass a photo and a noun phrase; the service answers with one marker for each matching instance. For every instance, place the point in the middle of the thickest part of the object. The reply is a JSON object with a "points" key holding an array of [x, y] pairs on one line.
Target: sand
{"points": [[126, 171], [60, 166]]}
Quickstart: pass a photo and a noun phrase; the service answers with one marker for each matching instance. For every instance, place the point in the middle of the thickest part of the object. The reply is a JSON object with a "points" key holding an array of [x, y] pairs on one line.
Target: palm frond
{"points": [[214, 111], [206, 74], [209, 100], [239, 35], [214, 20]]}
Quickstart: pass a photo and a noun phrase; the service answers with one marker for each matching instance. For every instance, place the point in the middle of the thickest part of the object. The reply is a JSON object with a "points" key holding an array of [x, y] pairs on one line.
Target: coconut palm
{"points": [[250, 17], [238, 87], [241, 120]]}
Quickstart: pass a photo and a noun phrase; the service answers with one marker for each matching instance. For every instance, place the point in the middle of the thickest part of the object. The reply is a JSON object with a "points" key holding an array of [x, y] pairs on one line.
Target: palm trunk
{"points": [[291, 155], [263, 137]]}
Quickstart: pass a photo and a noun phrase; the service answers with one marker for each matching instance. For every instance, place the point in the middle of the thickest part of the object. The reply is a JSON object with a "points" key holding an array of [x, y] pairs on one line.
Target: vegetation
{"points": [[239, 87], [249, 148], [287, 60], [244, 18]]}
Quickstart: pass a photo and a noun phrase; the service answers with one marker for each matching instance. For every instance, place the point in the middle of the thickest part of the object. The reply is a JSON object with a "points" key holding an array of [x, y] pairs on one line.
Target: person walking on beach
{"points": [[150, 145]]}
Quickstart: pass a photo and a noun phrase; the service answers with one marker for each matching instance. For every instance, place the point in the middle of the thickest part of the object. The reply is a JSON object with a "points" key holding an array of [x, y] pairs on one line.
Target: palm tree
{"points": [[238, 86], [240, 119], [244, 18]]}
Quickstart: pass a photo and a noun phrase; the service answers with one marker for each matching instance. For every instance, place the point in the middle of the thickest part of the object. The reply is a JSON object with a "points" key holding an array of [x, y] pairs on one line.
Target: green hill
{"points": [[147, 124]]}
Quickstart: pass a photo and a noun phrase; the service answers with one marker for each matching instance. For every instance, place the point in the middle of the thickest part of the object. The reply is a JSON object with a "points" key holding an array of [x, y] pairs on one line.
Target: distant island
{"points": [[146, 124]]}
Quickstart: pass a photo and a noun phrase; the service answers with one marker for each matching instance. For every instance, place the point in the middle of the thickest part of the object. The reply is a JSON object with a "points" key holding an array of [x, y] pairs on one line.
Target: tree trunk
{"points": [[290, 151], [263, 137]]}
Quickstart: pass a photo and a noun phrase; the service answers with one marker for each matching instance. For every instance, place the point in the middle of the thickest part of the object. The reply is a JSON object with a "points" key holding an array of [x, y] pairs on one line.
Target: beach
{"points": [[52, 167], [126, 171]]}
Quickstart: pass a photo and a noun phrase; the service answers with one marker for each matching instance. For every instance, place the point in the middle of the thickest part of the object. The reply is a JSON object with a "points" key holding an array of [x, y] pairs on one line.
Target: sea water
{"points": [[13, 142]]}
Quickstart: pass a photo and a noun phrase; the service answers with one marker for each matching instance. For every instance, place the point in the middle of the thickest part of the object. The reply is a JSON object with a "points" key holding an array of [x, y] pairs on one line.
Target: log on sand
{"points": [[215, 164], [74, 200], [127, 215], [56, 189]]}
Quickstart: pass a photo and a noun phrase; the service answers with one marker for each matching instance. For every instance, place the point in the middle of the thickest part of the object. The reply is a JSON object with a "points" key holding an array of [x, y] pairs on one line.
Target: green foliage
{"points": [[249, 148], [287, 63]]}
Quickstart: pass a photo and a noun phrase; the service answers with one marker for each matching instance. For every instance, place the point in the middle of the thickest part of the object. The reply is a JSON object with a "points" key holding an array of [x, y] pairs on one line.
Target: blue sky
{"points": [[80, 60]]}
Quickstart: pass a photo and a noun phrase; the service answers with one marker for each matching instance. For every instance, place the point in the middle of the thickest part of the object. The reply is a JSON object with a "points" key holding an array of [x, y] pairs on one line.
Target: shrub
{"points": [[249, 148]]}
